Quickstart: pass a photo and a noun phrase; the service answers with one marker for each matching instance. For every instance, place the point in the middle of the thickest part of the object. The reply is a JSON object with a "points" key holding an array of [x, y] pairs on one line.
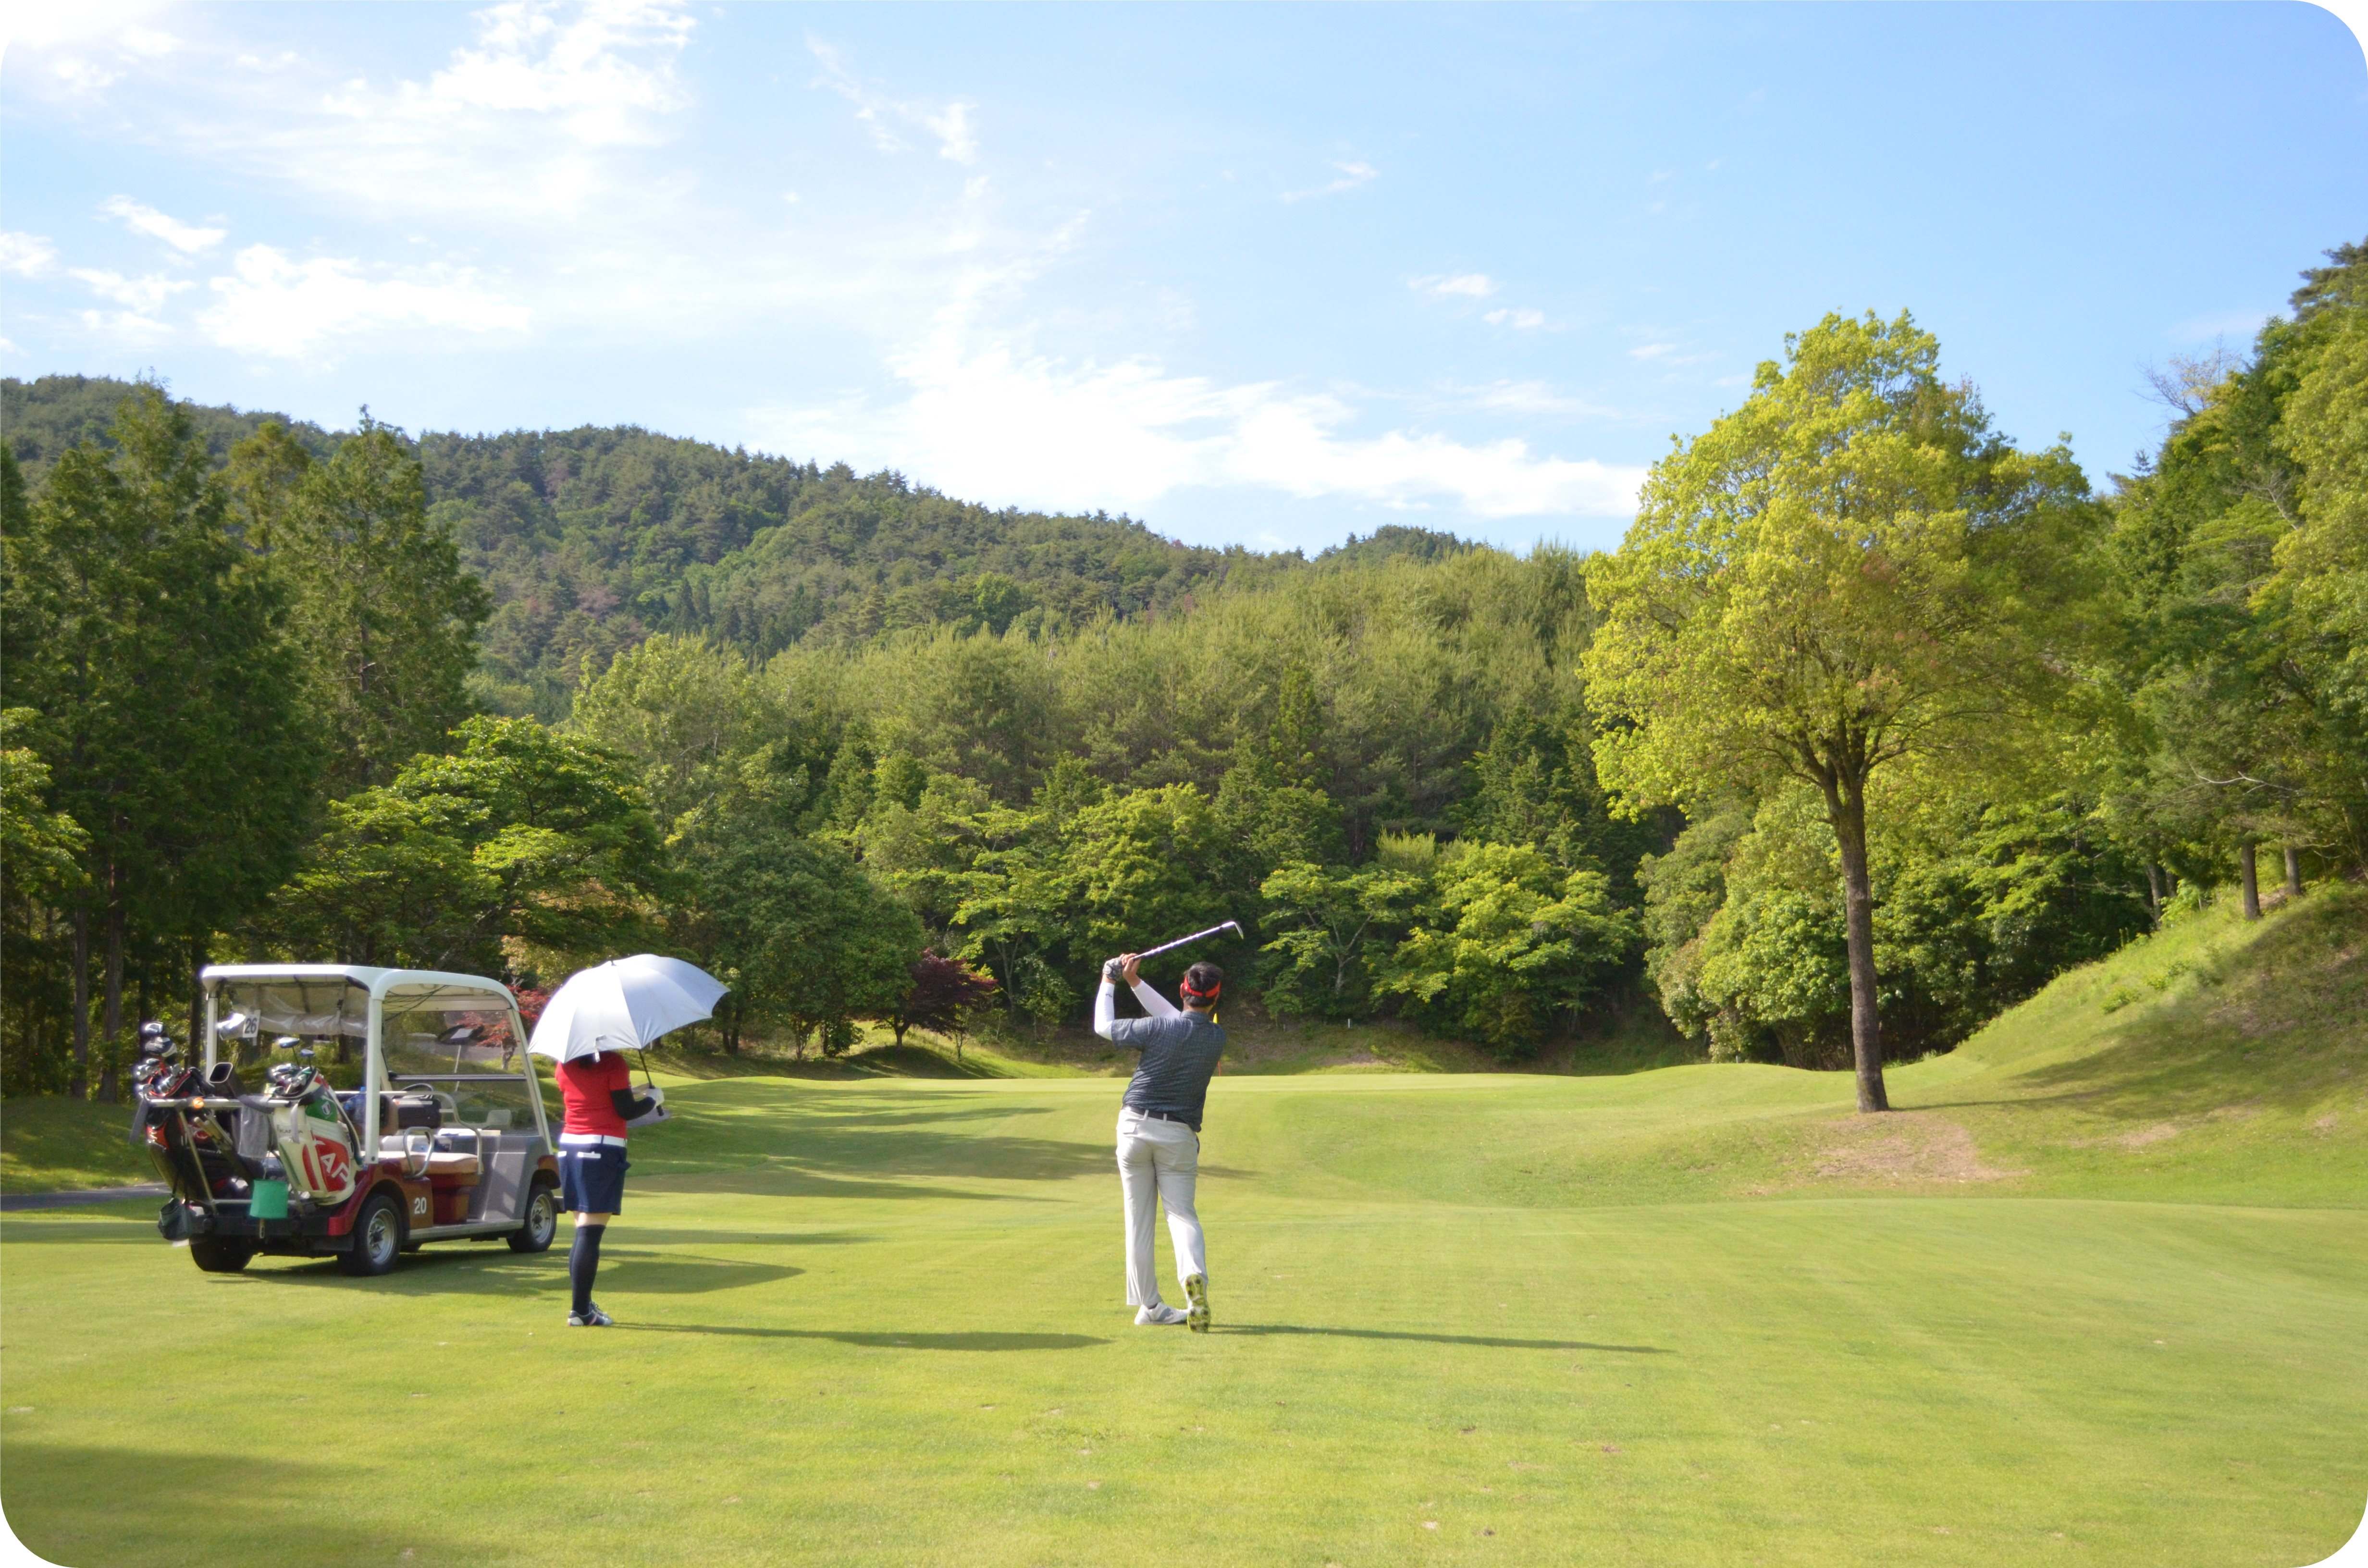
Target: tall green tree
{"points": [[41, 867], [520, 851], [2244, 561], [1849, 574], [1506, 946], [688, 715], [386, 613], [1328, 922], [157, 656], [798, 931], [265, 474]]}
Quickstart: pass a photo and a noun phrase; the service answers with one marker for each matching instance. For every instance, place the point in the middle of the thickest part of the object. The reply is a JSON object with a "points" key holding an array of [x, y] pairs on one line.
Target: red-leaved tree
{"points": [[944, 994]]}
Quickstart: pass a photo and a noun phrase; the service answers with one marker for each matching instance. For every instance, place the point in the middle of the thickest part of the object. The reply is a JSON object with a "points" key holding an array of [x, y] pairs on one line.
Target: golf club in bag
{"points": [[1111, 967]]}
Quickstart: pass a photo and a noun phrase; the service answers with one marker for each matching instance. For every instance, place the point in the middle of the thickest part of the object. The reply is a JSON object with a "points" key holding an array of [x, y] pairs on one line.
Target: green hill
{"points": [[591, 539]]}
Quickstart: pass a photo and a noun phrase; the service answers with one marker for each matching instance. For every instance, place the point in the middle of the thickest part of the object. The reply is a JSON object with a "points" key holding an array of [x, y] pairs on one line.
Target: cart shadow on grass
{"points": [[1484, 1341]]}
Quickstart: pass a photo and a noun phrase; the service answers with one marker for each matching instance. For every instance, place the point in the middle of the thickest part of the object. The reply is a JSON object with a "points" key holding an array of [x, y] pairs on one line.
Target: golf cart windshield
{"points": [[461, 1045], [330, 1013]]}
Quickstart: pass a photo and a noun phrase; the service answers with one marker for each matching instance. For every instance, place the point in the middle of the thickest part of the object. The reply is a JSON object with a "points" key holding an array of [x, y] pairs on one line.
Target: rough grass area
{"points": [[1697, 1315], [56, 1145]]}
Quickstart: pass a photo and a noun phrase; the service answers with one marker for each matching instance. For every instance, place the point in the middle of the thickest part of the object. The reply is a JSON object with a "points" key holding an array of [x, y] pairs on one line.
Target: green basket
{"points": [[269, 1201]]}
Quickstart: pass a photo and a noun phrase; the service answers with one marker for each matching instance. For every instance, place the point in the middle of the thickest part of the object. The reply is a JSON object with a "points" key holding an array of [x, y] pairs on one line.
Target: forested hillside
{"points": [[590, 540], [1874, 723]]}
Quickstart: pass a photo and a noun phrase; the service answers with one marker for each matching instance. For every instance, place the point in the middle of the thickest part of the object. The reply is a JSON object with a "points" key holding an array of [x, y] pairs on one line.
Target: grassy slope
{"points": [[55, 1145], [1697, 1315]]}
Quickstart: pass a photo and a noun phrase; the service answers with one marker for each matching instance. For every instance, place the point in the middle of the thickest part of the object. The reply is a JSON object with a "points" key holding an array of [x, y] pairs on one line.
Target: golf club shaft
{"points": [[1187, 941]]}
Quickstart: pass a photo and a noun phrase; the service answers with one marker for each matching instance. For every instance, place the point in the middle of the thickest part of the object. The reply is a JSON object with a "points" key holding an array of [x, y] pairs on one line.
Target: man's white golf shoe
{"points": [[1158, 1317], [1196, 1291]]}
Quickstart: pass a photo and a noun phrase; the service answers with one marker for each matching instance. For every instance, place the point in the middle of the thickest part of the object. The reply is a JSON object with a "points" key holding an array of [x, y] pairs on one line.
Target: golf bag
{"points": [[315, 1141], [196, 1152]]}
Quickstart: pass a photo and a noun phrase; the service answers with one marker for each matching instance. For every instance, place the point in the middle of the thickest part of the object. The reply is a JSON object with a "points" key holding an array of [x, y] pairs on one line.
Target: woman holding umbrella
{"points": [[587, 1025], [599, 1093]]}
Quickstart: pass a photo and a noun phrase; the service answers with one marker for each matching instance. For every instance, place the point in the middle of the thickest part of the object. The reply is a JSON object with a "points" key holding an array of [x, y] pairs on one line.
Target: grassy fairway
{"points": [[1698, 1315]]}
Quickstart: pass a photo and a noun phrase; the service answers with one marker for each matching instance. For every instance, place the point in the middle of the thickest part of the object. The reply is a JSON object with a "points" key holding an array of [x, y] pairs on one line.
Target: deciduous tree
{"points": [[1850, 573]]}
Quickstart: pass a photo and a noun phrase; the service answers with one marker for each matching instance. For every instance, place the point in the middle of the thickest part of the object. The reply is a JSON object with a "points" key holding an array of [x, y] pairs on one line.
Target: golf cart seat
{"points": [[460, 1153]]}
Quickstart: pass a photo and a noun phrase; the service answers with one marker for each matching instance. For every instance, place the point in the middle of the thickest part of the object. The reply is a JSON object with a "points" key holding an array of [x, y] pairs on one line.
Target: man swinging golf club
{"points": [[1160, 1128]]}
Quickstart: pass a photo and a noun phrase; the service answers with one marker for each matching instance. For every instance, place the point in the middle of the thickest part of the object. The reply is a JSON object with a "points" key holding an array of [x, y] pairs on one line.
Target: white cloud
{"points": [[128, 328], [1523, 397], [983, 416], [83, 77], [575, 71], [1468, 284], [87, 47], [957, 137], [111, 22], [1523, 320], [26, 256], [147, 295], [272, 305], [535, 119], [187, 238], [1667, 354], [1353, 175]]}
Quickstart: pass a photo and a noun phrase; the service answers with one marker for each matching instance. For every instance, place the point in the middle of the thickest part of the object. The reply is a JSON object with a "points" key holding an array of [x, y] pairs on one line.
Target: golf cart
{"points": [[397, 1106]]}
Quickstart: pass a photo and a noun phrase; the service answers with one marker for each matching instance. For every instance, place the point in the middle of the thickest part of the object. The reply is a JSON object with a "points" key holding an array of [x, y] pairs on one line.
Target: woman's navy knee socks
{"points": [[583, 1263]]}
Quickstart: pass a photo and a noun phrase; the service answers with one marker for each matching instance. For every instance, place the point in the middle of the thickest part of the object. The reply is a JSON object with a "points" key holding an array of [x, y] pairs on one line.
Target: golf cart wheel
{"points": [[541, 1220], [378, 1237], [220, 1255]]}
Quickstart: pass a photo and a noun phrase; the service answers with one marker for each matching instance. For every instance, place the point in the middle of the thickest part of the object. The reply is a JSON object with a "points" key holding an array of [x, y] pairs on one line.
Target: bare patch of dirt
{"points": [[2323, 1125], [1900, 1148], [2146, 1135]]}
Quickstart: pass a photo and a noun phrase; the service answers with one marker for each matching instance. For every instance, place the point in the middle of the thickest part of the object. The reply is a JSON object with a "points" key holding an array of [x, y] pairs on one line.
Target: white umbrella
{"points": [[622, 1005]]}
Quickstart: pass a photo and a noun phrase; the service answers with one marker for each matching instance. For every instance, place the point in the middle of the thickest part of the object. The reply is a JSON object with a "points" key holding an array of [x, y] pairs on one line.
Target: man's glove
{"points": [[1113, 971]]}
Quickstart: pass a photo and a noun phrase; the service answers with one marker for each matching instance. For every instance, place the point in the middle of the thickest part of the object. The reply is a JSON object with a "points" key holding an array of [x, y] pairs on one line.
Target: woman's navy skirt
{"points": [[592, 1177]]}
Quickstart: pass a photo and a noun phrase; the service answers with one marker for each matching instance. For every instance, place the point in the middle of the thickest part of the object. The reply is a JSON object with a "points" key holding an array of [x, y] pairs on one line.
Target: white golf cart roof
{"points": [[379, 983]]}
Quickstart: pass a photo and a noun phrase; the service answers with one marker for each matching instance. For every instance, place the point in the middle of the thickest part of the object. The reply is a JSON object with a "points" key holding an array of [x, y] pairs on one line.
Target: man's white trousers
{"points": [[1158, 1162]]}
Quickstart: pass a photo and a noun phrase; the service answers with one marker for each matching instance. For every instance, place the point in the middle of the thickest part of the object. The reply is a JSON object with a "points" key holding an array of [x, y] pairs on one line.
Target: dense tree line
{"points": [[1874, 723]]}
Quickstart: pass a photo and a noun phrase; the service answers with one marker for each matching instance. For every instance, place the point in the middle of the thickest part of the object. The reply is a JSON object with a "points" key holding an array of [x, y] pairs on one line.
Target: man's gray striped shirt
{"points": [[1179, 1056]]}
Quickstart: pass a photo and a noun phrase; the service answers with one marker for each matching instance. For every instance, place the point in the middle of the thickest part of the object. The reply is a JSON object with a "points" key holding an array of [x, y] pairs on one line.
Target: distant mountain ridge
{"points": [[592, 539]]}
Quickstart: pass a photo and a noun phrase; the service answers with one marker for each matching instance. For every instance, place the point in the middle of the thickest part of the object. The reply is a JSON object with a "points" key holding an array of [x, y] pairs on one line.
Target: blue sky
{"points": [[1255, 275]]}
